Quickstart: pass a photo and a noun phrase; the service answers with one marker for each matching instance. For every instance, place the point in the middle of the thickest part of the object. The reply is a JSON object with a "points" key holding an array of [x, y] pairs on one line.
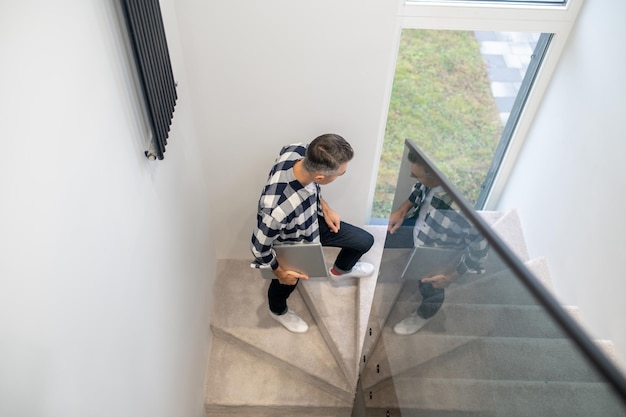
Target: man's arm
{"points": [[442, 280], [263, 239], [332, 218], [397, 217]]}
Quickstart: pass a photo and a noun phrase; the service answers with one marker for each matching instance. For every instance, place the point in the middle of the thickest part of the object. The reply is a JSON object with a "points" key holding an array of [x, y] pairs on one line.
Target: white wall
{"points": [[569, 180], [106, 259], [270, 73]]}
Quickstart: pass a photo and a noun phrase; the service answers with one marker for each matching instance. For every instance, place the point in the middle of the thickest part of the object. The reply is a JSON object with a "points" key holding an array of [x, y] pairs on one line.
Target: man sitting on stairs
{"points": [[430, 217], [291, 209]]}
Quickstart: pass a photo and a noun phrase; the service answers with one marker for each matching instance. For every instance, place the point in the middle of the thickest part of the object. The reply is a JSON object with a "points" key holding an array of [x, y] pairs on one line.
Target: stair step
{"points": [[275, 411], [239, 384], [395, 298], [367, 286], [490, 216], [495, 320], [390, 348], [415, 412], [335, 320], [336, 307], [509, 229], [427, 355], [305, 356], [494, 358], [500, 288], [387, 289], [459, 397], [241, 317]]}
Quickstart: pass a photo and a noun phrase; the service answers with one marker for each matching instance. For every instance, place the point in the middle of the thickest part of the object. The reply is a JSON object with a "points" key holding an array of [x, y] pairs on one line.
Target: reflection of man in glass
{"points": [[430, 217]]}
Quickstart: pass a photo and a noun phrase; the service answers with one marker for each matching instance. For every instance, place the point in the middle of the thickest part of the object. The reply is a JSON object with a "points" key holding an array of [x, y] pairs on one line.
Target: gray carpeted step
{"points": [[394, 300], [387, 289], [507, 358], [490, 216], [500, 288], [503, 287], [406, 352], [334, 309], [367, 287], [495, 320], [496, 285], [306, 357], [503, 359], [509, 229], [416, 396], [474, 320], [241, 317], [240, 384], [415, 412], [337, 307]]}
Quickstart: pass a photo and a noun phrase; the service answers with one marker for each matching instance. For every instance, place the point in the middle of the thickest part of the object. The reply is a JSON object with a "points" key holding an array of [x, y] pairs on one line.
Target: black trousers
{"points": [[354, 243]]}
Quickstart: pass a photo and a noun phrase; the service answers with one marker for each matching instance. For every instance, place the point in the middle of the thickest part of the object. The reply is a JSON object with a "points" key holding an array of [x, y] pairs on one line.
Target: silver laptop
{"points": [[430, 260], [306, 258]]}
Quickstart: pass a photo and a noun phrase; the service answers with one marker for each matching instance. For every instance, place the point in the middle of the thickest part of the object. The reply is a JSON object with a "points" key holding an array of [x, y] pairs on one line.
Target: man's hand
{"points": [[395, 221], [332, 218], [288, 277], [441, 280], [397, 217]]}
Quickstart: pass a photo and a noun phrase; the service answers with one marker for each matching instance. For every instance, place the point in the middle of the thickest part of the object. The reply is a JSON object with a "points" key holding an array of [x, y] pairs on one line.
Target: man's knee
{"points": [[367, 240]]}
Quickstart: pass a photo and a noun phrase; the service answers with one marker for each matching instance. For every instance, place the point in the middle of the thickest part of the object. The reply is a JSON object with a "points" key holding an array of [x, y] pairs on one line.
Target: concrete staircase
{"points": [[490, 351]]}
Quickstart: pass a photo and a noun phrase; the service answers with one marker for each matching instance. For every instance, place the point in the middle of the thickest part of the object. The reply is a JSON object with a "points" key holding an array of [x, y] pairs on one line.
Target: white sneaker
{"points": [[359, 270], [410, 325], [291, 321]]}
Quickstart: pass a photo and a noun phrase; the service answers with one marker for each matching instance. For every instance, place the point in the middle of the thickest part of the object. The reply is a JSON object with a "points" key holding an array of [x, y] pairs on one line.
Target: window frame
{"points": [[557, 20]]}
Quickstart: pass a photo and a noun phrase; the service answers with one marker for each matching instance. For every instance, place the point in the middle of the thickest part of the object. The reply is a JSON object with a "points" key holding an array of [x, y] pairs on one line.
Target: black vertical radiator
{"points": [[147, 35]]}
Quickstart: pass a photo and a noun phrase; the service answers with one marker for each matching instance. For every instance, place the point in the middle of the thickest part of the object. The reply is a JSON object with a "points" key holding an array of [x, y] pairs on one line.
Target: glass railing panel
{"points": [[485, 345]]}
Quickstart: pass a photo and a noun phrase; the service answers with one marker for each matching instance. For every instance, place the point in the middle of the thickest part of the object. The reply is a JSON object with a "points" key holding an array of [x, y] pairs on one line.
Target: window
{"points": [[490, 65], [453, 94]]}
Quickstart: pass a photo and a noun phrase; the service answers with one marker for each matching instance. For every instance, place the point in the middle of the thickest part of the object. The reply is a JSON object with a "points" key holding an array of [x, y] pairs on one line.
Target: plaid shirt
{"points": [[445, 226], [287, 211]]}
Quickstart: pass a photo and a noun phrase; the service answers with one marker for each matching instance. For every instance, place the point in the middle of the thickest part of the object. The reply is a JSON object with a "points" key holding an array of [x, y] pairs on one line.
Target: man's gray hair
{"points": [[326, 153]]}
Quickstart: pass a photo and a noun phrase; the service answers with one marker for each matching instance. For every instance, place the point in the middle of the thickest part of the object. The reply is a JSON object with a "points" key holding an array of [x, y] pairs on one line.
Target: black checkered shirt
{"points": [[446, 226], [287, 211]]}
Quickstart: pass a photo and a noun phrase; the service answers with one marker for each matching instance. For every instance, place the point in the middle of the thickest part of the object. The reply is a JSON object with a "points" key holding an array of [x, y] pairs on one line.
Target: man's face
{"points": [[423, 176], [327, 179]]}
